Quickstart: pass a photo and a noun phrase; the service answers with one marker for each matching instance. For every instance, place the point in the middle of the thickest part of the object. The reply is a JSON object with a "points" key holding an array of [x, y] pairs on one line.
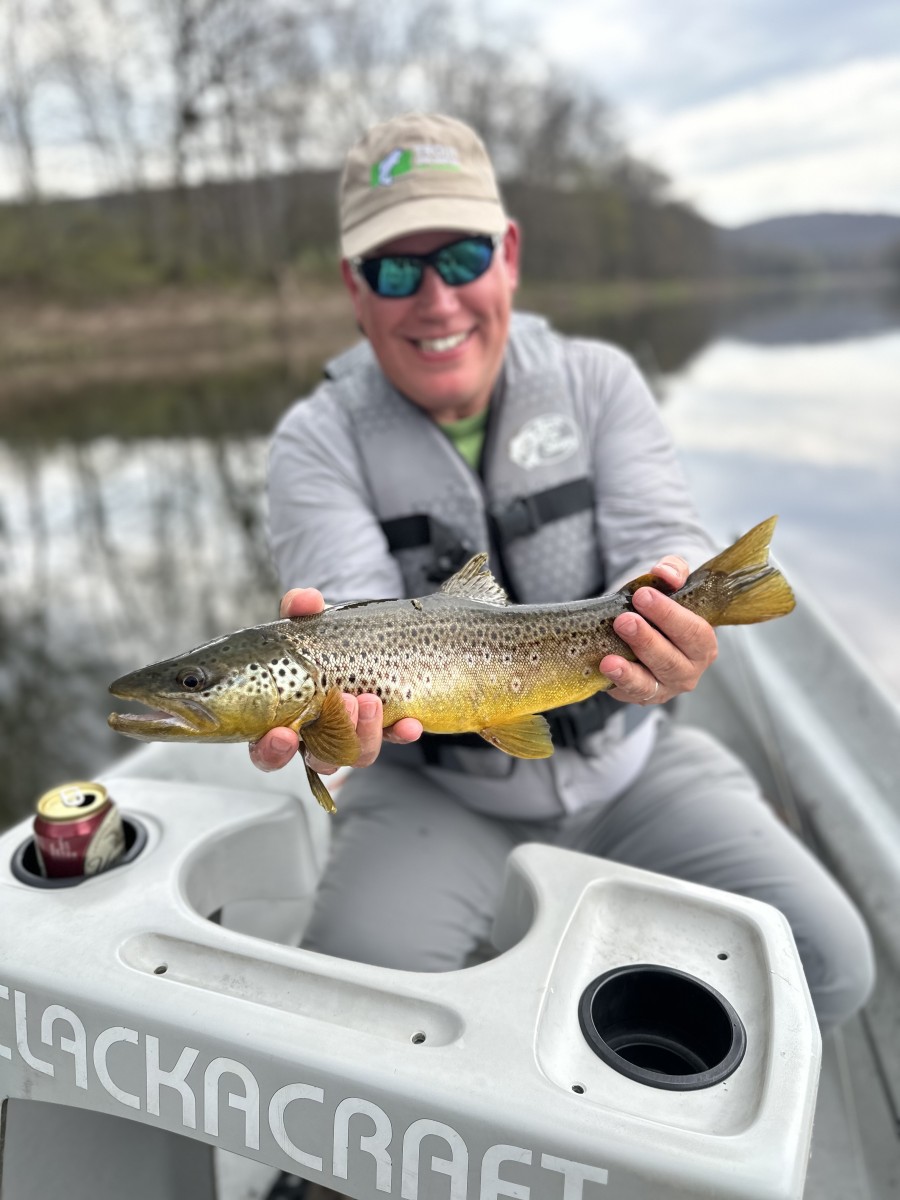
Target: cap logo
{"points": [[402, 160]]}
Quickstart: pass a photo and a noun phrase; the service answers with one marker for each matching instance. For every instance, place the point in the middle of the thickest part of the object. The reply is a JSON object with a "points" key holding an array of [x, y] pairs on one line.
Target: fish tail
{"points": [[756, 590]]}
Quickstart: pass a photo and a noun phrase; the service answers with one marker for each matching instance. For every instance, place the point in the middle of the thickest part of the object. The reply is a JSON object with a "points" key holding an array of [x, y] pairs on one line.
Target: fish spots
{"points": [[515, 684]]}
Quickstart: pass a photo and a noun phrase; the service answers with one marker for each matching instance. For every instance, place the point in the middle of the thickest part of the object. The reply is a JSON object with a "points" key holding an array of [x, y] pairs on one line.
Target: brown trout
{"points": [[463, 660]]}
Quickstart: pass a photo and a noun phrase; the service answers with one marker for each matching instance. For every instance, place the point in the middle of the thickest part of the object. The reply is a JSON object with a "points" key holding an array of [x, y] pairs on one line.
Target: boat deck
{"points": [[750, 700]]}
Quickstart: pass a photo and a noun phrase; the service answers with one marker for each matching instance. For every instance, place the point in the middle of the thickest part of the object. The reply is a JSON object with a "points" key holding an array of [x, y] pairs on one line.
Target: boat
{"points": [[822, 736]]}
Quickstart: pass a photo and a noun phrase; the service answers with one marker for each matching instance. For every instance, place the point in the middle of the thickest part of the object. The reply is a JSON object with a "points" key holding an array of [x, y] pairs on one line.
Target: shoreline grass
{"points": [[50, 348]]}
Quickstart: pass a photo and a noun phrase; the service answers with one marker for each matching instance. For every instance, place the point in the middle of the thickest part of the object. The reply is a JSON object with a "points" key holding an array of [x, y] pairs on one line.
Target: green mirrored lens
{"points": [[398, 276], [465, 261]]}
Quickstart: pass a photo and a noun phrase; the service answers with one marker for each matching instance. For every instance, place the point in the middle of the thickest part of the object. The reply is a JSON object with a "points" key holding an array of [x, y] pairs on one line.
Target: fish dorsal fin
{"points": [[331, 736], [474, 581]]}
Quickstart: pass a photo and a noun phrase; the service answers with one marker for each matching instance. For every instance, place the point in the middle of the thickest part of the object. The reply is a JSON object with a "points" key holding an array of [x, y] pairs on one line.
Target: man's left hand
{"points": [[673, 646]]}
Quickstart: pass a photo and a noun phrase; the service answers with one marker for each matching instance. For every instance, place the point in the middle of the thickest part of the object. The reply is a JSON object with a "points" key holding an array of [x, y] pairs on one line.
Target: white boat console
{"points": [[635, 1037]]}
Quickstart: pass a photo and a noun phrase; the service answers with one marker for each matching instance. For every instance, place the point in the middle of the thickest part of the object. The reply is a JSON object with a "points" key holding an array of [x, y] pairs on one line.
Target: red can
{"points": [[77, 830]]}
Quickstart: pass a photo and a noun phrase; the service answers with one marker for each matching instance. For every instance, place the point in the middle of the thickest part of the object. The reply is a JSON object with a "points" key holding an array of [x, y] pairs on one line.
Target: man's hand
{"points": [[277, 747], [673, 646]]}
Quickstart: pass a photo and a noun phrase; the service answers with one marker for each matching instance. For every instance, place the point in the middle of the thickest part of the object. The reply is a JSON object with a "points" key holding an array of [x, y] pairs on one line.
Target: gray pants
{"points": [[414, 876]]}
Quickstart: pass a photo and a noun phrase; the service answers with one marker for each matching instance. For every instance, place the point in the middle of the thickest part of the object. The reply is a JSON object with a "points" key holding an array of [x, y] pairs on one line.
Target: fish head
{"points": [[230, 690]]}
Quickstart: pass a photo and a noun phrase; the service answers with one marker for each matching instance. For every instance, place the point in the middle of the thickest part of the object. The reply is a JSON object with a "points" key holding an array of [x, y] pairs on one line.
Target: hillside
{"points": [[830, 239]]}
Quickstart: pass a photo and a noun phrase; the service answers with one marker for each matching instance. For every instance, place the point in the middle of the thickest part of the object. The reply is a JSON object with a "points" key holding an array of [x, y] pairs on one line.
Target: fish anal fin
{"points": [[331, 736], [525, 737], [319, 790], [474, 581]]}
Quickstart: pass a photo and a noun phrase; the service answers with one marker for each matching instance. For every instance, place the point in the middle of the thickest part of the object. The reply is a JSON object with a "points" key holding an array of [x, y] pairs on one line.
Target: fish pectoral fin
{"points": [[319, 790], [331, 736], [526, 737]]}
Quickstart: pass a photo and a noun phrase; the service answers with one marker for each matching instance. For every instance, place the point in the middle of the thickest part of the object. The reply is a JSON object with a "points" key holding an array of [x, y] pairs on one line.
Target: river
{"points": [[133, 527]]}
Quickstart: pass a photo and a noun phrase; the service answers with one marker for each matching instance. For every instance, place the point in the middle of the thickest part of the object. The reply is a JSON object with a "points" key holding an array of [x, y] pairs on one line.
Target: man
{"points": [[458, 426]]}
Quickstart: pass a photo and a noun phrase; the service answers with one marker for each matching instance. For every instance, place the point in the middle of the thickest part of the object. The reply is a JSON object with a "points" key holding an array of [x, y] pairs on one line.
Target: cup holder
{"points": [[662, 1027], [25, 867]]}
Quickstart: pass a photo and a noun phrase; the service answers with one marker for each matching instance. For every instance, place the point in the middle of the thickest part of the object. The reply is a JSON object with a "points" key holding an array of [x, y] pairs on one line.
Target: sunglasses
{"points": [[396, 276]]}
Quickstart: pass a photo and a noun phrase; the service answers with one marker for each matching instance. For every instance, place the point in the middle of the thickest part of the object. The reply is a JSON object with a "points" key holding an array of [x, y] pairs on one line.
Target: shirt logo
{"points": [[549, 438], [405, 159]]}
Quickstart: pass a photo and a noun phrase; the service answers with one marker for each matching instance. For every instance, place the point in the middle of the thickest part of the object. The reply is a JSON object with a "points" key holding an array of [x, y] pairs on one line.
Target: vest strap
{"points": [[526, 514], [449, 551], [405, 533]]}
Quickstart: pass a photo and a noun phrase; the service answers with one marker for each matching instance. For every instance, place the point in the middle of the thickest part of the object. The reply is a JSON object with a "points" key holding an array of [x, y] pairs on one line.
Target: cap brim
{"points": [[420, 213]]}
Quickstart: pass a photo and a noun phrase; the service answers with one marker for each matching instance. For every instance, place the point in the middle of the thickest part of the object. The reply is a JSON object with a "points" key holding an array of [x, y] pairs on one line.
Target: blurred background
{"points": [[714, 187]]}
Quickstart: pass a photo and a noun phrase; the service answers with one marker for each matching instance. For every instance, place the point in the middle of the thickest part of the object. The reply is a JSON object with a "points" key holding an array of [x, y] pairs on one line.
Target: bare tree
{"points": [[18, 86]]}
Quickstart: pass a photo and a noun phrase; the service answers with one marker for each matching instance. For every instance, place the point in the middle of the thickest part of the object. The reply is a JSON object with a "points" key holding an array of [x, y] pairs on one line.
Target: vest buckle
{"points": [[516, 519]]}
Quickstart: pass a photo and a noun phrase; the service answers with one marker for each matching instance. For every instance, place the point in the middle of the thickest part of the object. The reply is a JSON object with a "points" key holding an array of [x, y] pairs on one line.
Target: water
{"points": [[133, 526], [802, 418]]}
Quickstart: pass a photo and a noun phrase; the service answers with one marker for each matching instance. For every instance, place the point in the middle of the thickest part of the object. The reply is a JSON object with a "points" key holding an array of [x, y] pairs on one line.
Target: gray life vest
{"points": [[531, 506]]}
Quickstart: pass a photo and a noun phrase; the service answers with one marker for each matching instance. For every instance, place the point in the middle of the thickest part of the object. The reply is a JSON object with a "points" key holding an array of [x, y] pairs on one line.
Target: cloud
{"points": [[754, 108], [790, 403], [672, 56], [822, 140]]}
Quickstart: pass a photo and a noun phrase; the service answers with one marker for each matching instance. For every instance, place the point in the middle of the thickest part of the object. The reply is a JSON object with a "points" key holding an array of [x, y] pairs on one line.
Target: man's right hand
{"points": [[277, 747]]}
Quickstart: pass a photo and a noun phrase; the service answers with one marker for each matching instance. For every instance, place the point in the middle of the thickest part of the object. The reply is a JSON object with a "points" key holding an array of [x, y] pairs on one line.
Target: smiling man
{"points": [[458, 425]]}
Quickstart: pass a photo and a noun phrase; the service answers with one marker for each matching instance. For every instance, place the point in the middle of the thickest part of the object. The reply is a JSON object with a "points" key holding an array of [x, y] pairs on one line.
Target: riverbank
{"points": [[50, 350]]}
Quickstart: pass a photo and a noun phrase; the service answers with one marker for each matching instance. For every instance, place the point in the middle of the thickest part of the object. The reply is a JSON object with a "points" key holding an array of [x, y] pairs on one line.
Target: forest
{"points": [[202, 139]]}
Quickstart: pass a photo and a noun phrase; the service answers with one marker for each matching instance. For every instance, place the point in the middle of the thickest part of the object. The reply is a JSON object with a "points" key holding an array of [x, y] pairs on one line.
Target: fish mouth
{"points": [[181, 720]]}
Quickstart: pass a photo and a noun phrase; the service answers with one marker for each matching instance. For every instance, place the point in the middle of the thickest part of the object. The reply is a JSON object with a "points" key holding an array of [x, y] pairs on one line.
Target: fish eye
{"points": [[191, 679]]}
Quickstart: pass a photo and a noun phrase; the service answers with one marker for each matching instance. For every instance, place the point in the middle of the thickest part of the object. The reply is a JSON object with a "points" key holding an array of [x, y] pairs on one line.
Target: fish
{"points": [[461, 660]]}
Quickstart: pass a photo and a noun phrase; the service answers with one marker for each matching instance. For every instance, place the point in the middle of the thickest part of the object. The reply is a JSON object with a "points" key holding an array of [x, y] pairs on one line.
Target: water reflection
{"points": [[132, 520], [115, 554], [809, 432]]}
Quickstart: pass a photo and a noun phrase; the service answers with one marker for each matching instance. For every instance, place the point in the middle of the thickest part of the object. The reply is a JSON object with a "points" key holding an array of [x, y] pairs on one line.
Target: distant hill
{"points": [[827, 239]]}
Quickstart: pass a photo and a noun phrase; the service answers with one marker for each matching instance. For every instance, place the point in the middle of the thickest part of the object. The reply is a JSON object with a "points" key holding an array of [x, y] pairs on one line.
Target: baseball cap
{"points": [[413, 172]]}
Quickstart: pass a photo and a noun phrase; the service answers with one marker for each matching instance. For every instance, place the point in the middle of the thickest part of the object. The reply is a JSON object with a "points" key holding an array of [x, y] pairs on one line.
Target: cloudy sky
{"points": [[754, 107]]}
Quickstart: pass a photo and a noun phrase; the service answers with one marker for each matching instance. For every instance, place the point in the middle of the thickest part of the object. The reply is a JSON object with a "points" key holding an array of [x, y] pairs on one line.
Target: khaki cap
{"points": [[415, 172]]}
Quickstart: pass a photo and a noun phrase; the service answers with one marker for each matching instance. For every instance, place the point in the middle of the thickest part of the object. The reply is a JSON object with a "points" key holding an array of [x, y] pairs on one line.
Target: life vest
{"points": [[532, 506]]}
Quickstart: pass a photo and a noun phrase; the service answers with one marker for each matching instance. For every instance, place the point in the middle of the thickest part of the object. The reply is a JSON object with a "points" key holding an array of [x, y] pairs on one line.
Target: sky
{"points": [[752, 107]]}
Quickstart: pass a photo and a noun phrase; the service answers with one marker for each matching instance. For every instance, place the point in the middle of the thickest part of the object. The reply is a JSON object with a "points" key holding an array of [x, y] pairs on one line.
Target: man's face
{"points": [[442, 348]]}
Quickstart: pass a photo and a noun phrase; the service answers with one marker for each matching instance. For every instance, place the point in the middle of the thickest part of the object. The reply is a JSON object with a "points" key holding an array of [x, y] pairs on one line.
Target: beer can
{"points": [[77, 830]]}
